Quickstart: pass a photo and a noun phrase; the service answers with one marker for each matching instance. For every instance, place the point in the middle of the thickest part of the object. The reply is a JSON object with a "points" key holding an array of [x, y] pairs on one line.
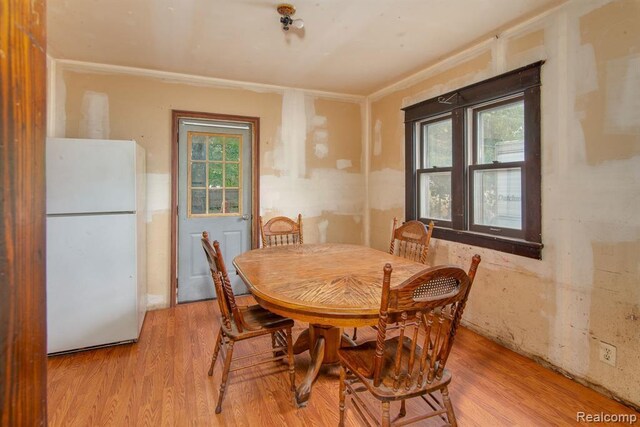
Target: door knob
{"points": [[245, 217]]}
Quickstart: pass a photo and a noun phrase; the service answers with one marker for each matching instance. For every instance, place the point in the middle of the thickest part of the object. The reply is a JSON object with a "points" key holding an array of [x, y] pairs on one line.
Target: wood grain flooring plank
{"points": [[162, 381]]}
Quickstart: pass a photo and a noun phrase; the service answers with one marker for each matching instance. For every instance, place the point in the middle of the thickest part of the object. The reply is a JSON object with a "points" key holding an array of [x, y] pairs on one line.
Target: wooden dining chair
{"points": [[238, 323], [281, 231], [410, 241], [427, 308]]}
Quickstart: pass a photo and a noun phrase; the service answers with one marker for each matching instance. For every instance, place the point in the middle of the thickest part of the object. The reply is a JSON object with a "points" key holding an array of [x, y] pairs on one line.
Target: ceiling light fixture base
{"points": [[287, 10]]}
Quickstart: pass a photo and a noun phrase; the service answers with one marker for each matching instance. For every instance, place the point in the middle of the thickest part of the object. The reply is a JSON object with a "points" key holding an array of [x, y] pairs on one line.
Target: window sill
{"points": [[512, 246]]}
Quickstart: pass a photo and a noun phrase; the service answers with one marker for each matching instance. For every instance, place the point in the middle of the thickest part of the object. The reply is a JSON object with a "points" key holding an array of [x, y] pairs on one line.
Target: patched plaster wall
{"points": [[325, 184], [585, 288]]}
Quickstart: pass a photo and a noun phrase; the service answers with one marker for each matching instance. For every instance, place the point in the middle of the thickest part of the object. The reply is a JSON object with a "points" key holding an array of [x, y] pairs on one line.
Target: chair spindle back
{"points": [[281, 231], [226, 300], [411, 240], [428, 308]]}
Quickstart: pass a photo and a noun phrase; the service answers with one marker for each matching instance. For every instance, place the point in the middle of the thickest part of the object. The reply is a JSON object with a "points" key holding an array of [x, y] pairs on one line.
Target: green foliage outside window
{"points": [[501, 133]]}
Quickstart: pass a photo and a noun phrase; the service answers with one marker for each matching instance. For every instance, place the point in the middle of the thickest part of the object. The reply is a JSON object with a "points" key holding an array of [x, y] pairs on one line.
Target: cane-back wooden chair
{"points": [[239, 323], [427, 309], [280, 231], [410, 241]]}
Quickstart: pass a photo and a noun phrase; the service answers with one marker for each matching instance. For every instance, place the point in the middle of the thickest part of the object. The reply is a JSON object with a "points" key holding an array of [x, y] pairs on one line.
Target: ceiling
{"points": [[347, 46]]}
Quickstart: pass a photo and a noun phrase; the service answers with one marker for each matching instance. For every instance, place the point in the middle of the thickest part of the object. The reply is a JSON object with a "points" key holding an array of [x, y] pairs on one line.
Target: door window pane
{"points": [[215, 201], [198, 201], [215, 175], [233, 149], [231, 176], [198, 174], [215, 148], [198, 148], [497, 198], [435, 195], [232, 201], [437, 144], [500, 134]]}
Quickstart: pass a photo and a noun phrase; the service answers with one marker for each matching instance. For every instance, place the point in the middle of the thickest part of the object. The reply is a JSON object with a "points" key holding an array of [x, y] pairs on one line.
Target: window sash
{"points": [[496, 230], [420, 193], [475, 113], [422, 143]]}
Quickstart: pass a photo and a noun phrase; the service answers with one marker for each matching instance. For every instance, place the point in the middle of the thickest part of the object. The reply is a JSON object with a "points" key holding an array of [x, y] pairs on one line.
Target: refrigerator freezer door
{"points": [[88, 176], [91, 281]]}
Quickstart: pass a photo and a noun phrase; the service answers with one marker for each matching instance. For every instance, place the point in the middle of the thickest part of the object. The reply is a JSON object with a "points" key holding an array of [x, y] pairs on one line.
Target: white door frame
{"points": [[255, 182]]}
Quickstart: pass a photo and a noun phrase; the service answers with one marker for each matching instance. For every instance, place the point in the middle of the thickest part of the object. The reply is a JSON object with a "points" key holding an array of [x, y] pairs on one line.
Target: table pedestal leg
{"points": [[304, 389], [302, 343], [324, 342]]}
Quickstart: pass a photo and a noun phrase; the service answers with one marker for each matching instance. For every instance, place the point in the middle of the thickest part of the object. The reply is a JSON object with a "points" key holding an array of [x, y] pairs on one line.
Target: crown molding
{"points": [[73, 65]]}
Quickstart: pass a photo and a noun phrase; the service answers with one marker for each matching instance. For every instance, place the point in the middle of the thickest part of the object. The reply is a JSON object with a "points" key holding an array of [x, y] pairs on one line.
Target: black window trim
{"points": [[526, 81]]}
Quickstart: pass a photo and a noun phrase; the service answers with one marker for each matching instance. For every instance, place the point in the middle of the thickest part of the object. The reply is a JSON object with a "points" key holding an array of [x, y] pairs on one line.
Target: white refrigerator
{"points": [[96, 263]]}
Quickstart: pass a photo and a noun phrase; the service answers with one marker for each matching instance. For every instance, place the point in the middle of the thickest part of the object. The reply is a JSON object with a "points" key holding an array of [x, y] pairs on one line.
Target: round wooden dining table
{"points": [[329, 285]]}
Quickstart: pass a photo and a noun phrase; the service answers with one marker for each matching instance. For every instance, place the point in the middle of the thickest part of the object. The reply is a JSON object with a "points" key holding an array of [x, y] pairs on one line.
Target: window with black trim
{"points": [[473, 158]]}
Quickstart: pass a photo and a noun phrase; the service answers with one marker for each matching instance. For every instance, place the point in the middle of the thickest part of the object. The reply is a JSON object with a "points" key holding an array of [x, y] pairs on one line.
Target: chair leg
{"points": [[403, 409], [225, 376], [343, 391], [216, 350], [355, 334], [292, 368], [273, 343], [449, 407], [386, 417]]}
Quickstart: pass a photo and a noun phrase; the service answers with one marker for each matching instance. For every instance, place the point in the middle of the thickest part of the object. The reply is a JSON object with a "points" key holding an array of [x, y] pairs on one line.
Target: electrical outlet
{"points": [[607, 353]]}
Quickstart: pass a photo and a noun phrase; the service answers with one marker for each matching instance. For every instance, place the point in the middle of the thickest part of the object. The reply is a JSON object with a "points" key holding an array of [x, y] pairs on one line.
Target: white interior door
{"points": [[214, 195]]}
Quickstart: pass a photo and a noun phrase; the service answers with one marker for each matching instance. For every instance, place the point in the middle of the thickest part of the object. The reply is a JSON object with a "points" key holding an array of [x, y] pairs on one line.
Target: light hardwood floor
{"points": [[162, 380]]}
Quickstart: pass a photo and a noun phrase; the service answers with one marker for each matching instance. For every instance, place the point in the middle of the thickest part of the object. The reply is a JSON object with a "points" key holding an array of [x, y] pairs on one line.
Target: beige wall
{"points": [[585, 289], [310, 149]]}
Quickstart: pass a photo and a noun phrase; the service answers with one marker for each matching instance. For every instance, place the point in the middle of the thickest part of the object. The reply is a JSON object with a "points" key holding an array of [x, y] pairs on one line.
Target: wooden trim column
{"points": [[23, 338]]}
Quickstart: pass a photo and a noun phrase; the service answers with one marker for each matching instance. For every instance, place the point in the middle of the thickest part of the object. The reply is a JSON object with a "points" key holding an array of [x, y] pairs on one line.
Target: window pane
{"points": [[233, 149], [215, 201], [232, 201], [231, 175], [437, 144], [198, 174], [501, 134], [198, 201], [215, 148], [435, 195], [497, 198], [215, 175], [197, 147]]}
